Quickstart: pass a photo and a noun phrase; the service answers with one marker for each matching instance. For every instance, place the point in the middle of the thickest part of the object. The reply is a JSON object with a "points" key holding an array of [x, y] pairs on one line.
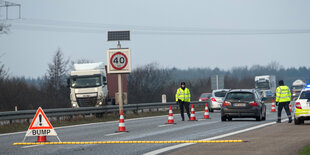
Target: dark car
{"points": [[243, 103], [204, 97]]}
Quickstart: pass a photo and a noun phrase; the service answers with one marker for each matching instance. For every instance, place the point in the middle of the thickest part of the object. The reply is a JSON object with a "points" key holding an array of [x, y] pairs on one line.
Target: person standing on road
{"points": [[283, 98], [183, 98]]}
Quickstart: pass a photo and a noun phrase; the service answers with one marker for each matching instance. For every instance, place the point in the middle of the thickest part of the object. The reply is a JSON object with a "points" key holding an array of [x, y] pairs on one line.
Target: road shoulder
{"points": [[283, 138]]}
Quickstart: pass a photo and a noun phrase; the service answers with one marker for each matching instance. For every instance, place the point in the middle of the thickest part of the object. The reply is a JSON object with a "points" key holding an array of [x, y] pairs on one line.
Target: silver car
{"points": [[215, 103]]}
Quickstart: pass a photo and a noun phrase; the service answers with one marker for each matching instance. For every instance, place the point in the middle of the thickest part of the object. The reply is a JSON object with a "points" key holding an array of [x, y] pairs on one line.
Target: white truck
{"points": [[88, 85], [266, 84], [297, 86]]}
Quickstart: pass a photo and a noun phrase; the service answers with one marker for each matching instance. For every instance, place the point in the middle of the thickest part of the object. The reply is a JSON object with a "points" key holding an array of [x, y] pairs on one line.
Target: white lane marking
{"points": [[212, 138], [112, 134], [164, 125], [29, 146]]}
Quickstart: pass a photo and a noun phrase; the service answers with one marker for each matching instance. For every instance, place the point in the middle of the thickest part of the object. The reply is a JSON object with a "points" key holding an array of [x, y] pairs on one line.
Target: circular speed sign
{"points": [[118, 60]]}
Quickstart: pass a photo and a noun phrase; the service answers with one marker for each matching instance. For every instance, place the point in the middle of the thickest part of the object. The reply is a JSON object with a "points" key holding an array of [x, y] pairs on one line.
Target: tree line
{"points": [[145, 84]]}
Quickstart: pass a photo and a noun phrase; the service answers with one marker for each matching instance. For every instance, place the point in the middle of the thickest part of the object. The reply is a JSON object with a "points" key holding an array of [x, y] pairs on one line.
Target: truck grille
{"points": [[87, 102]]}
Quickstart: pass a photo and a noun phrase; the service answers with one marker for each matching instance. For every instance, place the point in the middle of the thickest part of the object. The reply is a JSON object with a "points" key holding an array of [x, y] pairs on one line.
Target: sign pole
{"points": [[120, 87]]}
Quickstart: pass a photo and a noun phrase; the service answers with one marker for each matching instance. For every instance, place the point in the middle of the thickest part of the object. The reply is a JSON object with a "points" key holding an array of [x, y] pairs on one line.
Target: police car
{"points": [[302, 106]]}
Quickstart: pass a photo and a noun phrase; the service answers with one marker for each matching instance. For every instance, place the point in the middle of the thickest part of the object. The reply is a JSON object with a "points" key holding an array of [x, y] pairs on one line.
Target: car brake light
{"points": [[298, 105], [226, 103], [253, 103], [213, 99]]}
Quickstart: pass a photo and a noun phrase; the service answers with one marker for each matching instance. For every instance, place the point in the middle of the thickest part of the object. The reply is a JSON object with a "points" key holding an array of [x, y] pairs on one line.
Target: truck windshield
{"points": [[298, 87], [85, 81], [305, 95], [262, 85]]}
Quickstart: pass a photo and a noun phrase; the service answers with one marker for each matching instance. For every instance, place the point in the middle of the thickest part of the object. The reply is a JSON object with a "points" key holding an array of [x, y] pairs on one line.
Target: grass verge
{"points": [[305, 150]]}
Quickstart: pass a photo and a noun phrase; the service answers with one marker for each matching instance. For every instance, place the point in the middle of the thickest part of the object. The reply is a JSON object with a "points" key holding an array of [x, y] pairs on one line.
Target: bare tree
{"points": [[4, 28], [3, 71], [57, 71]]}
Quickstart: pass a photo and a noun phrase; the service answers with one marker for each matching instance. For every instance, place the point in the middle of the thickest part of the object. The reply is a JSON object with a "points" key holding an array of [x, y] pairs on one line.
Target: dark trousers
{"points": [[182, 105], [286, 107]]}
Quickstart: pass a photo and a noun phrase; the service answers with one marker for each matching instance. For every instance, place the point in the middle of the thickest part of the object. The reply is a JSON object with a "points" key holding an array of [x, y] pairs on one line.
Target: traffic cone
{"points": [[192, 118], [121, 125], [41, 139], [273, 108], [170, 117], [206, 115], [289, 105]]}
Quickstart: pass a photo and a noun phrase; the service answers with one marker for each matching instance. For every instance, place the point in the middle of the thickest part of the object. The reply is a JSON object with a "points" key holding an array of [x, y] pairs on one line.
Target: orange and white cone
{"points": [[170, 117], [41, 139], [192, 118], [273, 108], [206, 115], [289, 105], [121, 125]]}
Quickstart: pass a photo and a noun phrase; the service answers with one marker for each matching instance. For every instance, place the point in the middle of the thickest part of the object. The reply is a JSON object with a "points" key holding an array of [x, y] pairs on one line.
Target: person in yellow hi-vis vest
{"points": [[283, 99], [183, 98]]}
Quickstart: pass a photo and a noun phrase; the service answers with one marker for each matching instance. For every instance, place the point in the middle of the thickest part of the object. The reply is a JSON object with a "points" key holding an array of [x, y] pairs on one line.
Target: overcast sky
{"points": [[173, 33]]}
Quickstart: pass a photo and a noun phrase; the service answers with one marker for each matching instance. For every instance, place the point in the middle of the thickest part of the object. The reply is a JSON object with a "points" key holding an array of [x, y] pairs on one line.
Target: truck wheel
{"points": [[211, 110], [223, 118]]}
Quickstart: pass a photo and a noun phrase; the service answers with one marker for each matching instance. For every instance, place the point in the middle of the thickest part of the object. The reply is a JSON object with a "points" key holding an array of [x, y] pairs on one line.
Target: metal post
{"points": [[120, 92], [120, 87]]}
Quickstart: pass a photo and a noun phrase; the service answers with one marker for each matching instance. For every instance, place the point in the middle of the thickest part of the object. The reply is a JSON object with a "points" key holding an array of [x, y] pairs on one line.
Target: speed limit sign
{"points": [[119, 61]]}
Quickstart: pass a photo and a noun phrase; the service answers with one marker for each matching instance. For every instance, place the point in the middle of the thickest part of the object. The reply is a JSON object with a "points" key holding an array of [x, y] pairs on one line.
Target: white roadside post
{"points": [[119, 60]]}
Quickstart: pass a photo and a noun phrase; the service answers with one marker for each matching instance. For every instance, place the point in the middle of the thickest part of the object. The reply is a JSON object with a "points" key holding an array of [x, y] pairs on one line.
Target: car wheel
{"points": [[211, 110], [296, 121], [264, 117], [223, 118], [229, 119], [259, 117]]}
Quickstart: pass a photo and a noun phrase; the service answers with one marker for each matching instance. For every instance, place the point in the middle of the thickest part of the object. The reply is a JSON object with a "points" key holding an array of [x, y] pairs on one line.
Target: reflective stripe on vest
{"points": [[283, 94], [183, 95]]}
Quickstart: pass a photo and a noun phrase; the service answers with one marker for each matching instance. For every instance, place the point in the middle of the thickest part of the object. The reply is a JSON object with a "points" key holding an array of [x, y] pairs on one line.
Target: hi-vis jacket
{"points": [[183, 95], [283, 94]]}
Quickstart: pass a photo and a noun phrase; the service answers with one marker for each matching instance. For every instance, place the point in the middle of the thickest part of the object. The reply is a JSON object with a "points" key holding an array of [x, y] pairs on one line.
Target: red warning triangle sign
{"points": [[40, 121]]}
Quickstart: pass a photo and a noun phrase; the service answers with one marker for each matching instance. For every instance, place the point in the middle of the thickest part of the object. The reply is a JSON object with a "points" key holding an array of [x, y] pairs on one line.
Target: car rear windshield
{"points": [[205, 96], [220, 94], [240, 96], [305, 95]]}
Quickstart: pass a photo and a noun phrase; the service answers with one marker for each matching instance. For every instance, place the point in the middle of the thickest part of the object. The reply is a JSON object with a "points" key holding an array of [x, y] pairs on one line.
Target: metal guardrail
{"points": [[29, 114]]}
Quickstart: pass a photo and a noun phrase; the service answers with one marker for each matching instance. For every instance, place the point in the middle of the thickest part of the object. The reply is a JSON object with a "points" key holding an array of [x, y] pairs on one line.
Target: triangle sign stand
{"points": [[40, 126]]}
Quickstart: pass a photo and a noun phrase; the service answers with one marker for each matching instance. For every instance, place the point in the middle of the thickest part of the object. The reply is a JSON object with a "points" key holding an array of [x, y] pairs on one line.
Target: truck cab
{"points": [[266, 85], [88, 85]]}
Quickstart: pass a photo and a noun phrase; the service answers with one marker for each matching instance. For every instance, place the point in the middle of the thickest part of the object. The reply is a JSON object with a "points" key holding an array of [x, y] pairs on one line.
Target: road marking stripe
{"points": [[212, 138], [112, 134], [128, 142], [24, 147], [164, 125]]}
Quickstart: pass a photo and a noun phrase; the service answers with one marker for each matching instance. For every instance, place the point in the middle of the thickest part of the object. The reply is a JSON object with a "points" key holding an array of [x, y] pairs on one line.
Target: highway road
{"points": [[142, 129]]}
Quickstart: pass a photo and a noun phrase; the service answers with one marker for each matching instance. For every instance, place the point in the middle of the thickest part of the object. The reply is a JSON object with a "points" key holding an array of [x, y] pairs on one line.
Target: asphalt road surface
{"points": [[141, 129]]}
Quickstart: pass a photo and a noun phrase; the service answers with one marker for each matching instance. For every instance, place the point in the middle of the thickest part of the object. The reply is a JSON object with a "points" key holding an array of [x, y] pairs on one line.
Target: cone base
{"points": [[193, 119], [273, 110], [41, 139], [206, 117]]}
